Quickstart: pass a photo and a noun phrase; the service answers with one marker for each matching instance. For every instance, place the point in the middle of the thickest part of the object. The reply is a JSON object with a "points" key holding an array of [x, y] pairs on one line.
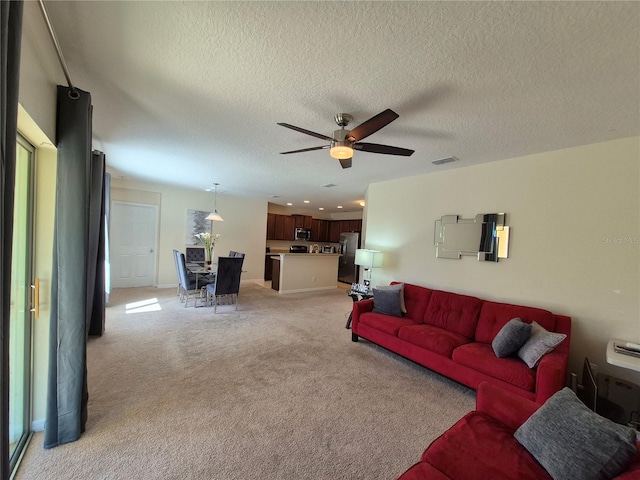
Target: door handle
{"points": [[35, 298]]}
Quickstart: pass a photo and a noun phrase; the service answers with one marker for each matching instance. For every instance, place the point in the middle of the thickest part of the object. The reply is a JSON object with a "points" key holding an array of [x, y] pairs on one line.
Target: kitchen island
{"points": [[304, 272]]}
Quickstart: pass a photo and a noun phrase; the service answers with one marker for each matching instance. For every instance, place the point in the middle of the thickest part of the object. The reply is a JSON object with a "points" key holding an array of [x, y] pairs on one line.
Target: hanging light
{"points": [[215, 215]]}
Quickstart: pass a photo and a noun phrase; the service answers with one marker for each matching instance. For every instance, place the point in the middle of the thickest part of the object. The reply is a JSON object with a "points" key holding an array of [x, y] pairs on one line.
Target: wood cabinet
{"points": [[275, 274], [334, 231], [280, 227], [320, 230], [268, 267], [271, 226], [302, 221], [284, 226]]}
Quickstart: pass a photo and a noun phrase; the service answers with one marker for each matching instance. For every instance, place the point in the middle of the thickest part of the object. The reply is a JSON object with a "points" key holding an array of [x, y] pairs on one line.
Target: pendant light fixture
{"points": [[215, 215]]}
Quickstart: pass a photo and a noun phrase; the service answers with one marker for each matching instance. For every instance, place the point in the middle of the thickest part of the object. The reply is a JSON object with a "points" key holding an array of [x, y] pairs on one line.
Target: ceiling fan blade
{"points": [[372, 125], [305, 149], [345, 162], [386, 149], [308, 132]]}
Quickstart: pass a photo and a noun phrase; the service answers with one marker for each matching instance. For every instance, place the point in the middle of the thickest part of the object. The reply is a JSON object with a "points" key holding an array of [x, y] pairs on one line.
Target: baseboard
{"points": [[37, 425], [168, 285]]}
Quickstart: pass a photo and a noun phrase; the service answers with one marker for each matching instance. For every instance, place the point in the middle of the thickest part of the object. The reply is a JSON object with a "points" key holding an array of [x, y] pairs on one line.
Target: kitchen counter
{"points": [[305, 272]]}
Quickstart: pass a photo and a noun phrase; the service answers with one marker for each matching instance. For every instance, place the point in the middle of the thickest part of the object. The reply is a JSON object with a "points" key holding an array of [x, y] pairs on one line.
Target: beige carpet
{"points": [[276, 390]]}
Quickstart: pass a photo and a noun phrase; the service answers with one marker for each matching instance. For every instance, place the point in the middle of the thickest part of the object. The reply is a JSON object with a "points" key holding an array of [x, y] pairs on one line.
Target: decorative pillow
{"points": [[539, 344], [570, 441], [511, 337], [397, 286], [387, 301]]}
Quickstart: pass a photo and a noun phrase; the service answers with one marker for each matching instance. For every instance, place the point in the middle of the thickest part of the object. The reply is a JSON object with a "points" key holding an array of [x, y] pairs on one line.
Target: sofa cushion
{"points": [[571, 441], [539, 344], [511, 337], [494, 315], [385, 323], [399, 287], [416, 299], [453, 312], [387, 301], [480, 447], [433, 339], [480, 357]]}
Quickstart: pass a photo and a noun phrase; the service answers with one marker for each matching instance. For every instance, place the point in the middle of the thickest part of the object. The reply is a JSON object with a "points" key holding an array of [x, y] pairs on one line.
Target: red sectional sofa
{"points": [[451, 334], [481, 445]]}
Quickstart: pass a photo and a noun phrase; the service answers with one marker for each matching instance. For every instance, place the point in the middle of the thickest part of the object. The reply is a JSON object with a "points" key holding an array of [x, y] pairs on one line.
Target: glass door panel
{"points": [[20, 312]]}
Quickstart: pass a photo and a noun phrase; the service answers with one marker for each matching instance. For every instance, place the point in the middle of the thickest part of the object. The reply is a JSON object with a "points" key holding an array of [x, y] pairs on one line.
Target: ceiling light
{"points": [[362, 204], [339, 206], [321, 208], [341, 150], [215, 216], [307, 201], [289, 203]]}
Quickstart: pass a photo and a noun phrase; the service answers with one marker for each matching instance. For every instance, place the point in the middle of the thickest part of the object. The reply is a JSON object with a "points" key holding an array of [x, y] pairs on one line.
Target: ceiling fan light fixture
{"points": [[341, 150]]}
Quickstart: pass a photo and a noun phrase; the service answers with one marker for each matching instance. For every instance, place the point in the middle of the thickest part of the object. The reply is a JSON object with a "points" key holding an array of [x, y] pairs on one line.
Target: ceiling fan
{"points": [[344, 142]]}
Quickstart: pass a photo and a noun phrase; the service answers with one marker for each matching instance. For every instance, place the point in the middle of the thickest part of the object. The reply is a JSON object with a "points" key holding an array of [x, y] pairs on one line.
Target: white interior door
{"points": [[134, 228]]}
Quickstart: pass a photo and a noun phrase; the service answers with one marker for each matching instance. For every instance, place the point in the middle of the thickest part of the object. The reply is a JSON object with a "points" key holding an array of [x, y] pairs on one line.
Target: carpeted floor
{"points": [[276, 390]]}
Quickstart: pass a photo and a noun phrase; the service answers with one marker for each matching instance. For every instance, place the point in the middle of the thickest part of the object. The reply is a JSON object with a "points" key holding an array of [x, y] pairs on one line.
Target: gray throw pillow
{"points": [[511, 337], [539, 344], [387, 301], [572, 442], [397, 286]]}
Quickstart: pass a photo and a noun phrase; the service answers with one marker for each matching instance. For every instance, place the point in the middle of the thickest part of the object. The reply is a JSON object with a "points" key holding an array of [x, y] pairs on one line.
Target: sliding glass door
{"points": [[22, 297]]}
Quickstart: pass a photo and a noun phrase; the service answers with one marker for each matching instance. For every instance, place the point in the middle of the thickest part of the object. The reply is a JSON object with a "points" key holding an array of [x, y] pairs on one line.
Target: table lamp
{"points": [[368, 259]]}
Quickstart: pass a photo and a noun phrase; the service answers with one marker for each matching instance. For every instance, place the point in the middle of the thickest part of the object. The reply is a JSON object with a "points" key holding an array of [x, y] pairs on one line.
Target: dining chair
{"points": [[190, 286], [227, 281]]}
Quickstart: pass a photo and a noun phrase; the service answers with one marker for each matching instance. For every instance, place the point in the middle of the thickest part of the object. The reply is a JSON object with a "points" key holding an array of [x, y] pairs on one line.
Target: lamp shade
{"points": [[368, 258], [214, 216]]}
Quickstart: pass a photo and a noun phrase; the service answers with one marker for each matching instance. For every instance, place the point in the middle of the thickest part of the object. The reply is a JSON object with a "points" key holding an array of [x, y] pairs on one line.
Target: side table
{"points": [[356, 297]]}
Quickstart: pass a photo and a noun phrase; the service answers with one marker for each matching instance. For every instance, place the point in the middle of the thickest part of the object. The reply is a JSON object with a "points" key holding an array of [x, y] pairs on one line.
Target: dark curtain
{"points": [[96, 288], [11, 34], [77, 246]]}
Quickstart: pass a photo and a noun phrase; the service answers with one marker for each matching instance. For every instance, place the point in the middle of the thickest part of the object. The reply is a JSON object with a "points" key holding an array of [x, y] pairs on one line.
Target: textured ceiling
{"points": [[189, 93]]}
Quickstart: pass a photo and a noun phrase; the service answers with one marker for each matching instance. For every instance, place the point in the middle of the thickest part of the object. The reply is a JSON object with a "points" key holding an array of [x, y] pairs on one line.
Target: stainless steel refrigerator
{"points": [[347, 268]]}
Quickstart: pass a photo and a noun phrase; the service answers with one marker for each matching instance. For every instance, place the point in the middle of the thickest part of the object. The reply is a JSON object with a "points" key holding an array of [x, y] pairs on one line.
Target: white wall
{"points": [[243, 230], [575, 237]]}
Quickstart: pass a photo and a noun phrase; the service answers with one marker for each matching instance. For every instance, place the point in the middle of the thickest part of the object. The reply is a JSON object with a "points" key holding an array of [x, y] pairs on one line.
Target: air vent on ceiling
{"points": [[442, 161], [327, 185]]}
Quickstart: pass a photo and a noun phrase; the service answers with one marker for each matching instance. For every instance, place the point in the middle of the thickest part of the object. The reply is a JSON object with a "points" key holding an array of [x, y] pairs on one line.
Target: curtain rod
{"points": [[73, 93]]}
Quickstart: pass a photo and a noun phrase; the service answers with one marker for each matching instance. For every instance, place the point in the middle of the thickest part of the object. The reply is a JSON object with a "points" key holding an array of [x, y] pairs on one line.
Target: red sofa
{"points": [[481, 444], [451, 334]]}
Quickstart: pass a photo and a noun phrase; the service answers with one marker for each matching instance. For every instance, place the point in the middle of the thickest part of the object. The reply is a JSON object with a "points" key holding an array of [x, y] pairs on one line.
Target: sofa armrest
{"points": [[506, 407], [363, 306], [551, 375]]}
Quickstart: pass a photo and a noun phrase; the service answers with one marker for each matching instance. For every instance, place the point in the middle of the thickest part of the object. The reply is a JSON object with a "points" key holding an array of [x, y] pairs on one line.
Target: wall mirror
{"points": [[485, 236]]}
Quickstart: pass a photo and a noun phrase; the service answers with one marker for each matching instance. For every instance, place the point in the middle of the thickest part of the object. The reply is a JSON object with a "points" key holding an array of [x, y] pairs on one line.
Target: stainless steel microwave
{"points": [[302, 234]]}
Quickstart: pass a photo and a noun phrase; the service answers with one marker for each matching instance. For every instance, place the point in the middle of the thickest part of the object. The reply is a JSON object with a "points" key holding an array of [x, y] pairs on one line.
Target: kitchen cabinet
{"points": [[302, 221], [334, 231], [284, 226], [320, 230], [275, 278], [268, 267], [271, 226]]}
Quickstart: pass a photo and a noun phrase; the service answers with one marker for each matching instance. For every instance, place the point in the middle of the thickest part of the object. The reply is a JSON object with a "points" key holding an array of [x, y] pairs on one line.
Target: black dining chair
{"points": [[190, 285], [227, 281]]}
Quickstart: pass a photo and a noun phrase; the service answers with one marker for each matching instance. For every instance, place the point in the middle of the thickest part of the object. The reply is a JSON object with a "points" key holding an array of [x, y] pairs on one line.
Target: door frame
{"points": [[156, 210], [30, 273]]}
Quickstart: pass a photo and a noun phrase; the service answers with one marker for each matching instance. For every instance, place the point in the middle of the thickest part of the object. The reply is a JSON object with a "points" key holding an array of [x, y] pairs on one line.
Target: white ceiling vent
{"points": [[442, 161]]}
